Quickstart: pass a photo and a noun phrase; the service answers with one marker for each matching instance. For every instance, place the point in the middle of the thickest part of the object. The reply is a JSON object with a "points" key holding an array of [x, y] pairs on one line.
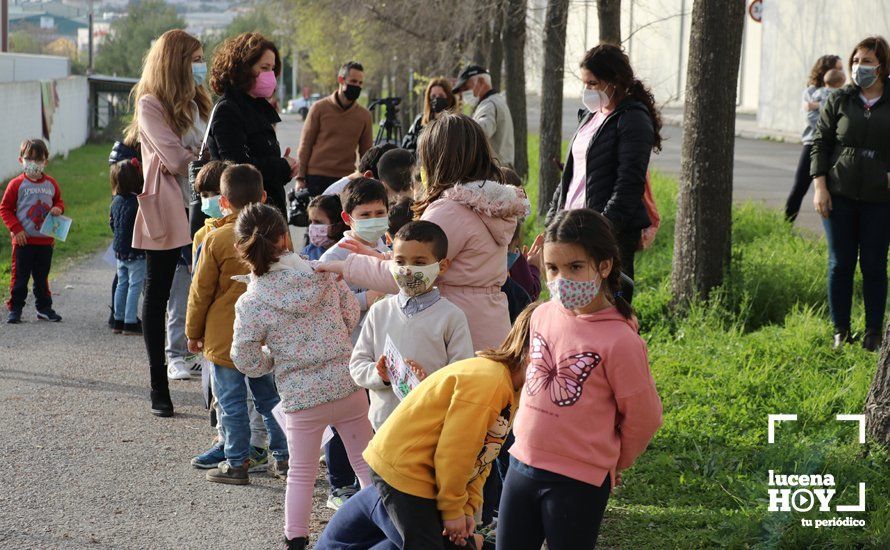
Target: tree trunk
{"points": [[703, 233], [551, 101], [877, 404], [496, 51], [608, 12], [514, 64], [482, 47]]}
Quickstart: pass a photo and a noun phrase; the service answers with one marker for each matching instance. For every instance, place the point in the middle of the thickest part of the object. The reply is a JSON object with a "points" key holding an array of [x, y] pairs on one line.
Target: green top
{"points": [[852, 145]]}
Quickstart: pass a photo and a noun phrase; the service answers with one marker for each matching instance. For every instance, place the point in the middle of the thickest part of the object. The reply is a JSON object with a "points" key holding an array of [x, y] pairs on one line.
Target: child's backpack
{"points": [[647, 236]]}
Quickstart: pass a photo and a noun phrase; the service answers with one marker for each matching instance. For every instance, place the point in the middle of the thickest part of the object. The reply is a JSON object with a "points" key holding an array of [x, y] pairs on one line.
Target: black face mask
{"points": [[438, 104], [352, 92]]}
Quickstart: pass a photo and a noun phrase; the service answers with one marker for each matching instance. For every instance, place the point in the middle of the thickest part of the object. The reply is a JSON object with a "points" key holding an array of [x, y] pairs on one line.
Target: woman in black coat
{"points": [[242, 129], [609, 154]]}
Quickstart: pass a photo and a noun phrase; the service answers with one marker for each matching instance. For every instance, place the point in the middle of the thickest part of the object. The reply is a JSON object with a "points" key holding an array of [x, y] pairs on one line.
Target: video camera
{"points": [[391, 104], [390, 130], [298, 208]]}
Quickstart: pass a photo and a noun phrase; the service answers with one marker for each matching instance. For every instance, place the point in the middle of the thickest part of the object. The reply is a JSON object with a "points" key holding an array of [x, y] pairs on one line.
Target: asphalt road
{"points": [[88, 467]]}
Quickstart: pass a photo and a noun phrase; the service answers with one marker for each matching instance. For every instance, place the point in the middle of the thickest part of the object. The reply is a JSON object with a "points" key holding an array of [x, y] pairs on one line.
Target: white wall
{"points": [[795, 34], [655, 34], [21, 113], [20, 67]]}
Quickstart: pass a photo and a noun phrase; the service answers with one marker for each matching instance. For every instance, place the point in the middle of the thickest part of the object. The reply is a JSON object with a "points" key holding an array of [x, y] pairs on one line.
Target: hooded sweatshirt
{"points": [[589, 404], [305, 320], [479, 218]]}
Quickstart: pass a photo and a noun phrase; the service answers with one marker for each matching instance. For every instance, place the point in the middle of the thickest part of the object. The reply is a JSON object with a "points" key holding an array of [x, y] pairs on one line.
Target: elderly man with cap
{"points": [[491, 111]]}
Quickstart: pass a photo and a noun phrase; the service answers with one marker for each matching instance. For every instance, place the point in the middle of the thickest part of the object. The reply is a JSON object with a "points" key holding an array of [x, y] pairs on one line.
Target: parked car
{"points": [[301, 105]]}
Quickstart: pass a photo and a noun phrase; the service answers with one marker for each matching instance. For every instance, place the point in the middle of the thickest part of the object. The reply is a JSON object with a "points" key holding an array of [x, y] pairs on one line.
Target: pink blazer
{"points": [[161, 222]]}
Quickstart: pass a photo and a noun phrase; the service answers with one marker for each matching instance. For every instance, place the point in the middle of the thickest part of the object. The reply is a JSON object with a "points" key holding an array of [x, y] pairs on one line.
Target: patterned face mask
{"points": [[33, 169], [574, 294], [415, 279]]}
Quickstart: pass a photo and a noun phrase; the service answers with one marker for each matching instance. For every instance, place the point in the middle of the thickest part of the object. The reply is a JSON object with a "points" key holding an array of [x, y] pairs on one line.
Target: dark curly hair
{"points": [[609, 63], [233, 62], [820, 67]]}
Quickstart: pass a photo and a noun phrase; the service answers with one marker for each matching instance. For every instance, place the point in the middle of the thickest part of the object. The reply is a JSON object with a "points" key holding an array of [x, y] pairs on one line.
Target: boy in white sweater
{"points": [[429, 331]]}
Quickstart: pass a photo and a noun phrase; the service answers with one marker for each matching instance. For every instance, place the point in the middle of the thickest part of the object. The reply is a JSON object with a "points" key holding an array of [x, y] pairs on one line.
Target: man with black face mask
{"points": [[337, 131]]}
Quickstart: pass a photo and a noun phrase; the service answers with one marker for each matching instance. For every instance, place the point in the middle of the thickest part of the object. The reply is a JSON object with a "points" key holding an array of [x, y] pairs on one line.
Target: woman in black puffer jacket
{"points": [[244, 73], [609, 153]]}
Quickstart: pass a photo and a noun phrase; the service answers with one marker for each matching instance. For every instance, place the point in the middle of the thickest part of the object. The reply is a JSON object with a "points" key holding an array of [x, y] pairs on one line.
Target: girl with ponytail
{"points": [[305, 319], [609, 155], [589, 406]]}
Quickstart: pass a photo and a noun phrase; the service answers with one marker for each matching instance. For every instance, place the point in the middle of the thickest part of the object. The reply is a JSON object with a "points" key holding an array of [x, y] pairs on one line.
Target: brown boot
{"points": [[230, 475]]}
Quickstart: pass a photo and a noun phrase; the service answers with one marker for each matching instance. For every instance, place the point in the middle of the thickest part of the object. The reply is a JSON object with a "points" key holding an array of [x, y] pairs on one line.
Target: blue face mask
{"points": [[210, 207], [370, 229], [511, 258], [199, 73]]}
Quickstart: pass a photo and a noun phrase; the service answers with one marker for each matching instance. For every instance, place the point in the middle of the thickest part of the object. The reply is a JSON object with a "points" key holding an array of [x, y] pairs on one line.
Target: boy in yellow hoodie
{"points": [[209, 327], [430, 459]]}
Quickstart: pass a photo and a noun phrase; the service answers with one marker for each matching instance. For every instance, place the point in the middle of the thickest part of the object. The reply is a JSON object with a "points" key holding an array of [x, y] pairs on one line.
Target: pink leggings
{"points": [[304, 432]]}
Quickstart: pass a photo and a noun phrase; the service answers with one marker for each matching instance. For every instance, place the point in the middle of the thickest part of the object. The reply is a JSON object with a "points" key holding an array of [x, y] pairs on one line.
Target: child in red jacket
{"points": [[26, 202]]}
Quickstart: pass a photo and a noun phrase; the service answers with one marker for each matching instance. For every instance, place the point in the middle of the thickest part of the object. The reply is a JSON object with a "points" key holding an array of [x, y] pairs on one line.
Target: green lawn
{"points": [[759, 347], [83, 178]]}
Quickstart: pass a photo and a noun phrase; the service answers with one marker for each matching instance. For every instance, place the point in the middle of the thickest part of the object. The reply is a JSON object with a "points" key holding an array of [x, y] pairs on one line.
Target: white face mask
{"points": [[414, 280], [468, 98], [594, 100]]}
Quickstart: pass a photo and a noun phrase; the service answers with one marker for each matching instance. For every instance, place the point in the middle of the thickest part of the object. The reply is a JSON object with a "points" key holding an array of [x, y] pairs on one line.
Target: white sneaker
{"points": [[177, 370], [195, 369]]}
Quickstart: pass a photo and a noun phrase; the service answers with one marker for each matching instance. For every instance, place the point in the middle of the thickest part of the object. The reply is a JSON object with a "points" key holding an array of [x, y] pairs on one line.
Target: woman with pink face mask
{"points": [[245, 70]]}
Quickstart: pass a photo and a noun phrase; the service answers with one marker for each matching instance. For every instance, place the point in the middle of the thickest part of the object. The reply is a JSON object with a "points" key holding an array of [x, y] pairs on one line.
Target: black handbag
{"points": [[196, 216]]}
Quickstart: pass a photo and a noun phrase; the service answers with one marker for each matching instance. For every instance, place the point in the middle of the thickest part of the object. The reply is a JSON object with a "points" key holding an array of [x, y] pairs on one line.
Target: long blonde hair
{"points": [[167, 75], [443, 83]]}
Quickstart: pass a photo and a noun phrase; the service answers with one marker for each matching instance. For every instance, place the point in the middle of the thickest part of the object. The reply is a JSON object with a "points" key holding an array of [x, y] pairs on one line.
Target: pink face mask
{"points": [[264, 84]]}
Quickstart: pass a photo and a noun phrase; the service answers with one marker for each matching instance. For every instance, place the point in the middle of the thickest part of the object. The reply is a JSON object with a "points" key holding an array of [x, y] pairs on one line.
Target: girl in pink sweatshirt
{"points": [[465, 197], [589, 406]]}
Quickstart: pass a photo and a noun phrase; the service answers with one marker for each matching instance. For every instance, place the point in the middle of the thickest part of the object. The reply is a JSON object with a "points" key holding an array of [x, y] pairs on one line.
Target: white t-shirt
{"points": [[337, 187]]}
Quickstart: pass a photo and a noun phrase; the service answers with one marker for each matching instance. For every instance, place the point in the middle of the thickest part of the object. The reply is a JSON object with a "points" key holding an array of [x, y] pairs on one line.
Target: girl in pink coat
{"points": [[479, 214]]}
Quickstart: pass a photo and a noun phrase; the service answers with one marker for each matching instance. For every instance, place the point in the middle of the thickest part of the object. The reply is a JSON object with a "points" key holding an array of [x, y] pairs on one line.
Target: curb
{"points": [[756, 133]]}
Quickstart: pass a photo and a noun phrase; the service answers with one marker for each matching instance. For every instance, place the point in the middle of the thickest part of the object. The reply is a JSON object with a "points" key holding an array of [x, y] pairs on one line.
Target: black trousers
{"points": [[538, 505], [627, 249], [416, 519], [160, 269], [30, 261], [317, 184], [801, 185]]}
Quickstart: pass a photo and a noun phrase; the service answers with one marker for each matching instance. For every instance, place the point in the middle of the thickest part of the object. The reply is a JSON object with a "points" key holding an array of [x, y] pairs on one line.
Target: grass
{"points": [[83, 178], [760, 346]]}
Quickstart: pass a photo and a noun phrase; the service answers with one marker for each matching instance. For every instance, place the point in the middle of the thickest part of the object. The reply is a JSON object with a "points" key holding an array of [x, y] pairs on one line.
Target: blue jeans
{"points": [[857, 229], [130, 276], [362, 522], [232, 395], [340, 472]]}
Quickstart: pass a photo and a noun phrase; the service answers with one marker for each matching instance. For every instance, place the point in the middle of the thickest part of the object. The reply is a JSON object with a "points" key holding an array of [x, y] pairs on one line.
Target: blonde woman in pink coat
{"points": [[171, 102], [479, 214]]}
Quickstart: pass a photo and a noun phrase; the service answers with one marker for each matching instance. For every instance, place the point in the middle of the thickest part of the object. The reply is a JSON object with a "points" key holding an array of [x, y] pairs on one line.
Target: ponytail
{"points": [[258, 230], [641, 93]]}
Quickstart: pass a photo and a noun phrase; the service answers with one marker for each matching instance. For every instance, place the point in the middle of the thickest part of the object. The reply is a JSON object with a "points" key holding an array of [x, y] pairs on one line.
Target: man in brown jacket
{"points": [[335, 128]]}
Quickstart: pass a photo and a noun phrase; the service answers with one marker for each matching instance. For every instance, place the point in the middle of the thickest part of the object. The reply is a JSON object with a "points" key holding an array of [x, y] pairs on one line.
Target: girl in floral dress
{"points": [[304, 319]]}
